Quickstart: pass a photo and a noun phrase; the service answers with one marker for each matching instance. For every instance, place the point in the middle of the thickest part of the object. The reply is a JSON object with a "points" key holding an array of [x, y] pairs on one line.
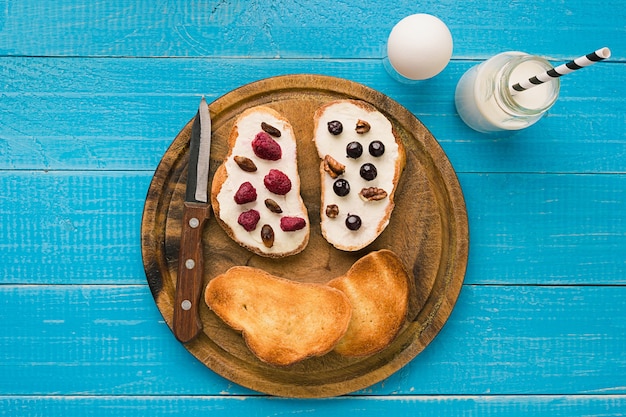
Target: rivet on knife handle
{"points": [[190, 271]]}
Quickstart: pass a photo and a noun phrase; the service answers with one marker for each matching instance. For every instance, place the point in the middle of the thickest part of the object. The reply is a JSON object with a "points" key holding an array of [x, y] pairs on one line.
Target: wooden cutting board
{"points": [[428, 230]]}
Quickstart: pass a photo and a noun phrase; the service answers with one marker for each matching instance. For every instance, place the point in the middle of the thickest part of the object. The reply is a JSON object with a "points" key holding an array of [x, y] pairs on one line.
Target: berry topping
{"points": [[368, 172], [335, 127], [341, 187], [249, 219], [376, 148], [245, 194], [265, 147], [277, 182], [353, 222], [291, 224], [354, 150]]}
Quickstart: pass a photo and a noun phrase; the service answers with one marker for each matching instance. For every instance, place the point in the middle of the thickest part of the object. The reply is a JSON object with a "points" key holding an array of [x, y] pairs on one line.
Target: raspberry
{"points": [[245, 194], [265, 147], [249, 219], [291, 224], [277, 182]]}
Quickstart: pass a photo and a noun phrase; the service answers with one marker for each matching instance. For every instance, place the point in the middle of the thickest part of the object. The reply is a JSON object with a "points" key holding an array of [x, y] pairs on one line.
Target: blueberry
{"points": [[353, 222], [335, 127], [368, 172], [376, 148], [341, 187], [354, 150]]}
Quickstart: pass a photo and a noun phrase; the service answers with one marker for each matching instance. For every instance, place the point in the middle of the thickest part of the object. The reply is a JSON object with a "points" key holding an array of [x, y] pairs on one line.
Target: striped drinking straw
{"points": [[578, 63]]}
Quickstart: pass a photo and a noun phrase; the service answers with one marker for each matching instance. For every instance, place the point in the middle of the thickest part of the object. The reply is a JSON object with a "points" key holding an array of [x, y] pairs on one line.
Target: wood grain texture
{"points": [[430, 239], [127, 123], [526, 229], [189, 285], [92, 95], [292, 29], [109, 340], [401, 406], [71, 226]]}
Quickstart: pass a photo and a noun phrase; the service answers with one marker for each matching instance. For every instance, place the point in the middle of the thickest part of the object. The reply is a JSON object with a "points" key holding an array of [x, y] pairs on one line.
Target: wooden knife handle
{"points": [[187, 324]]}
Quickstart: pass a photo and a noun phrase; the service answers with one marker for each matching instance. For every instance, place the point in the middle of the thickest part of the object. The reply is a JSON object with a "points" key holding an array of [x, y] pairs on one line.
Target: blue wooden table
{"points": [[93, 93]]}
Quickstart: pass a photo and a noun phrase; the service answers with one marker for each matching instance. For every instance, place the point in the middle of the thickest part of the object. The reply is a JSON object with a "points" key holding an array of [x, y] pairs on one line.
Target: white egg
{"points": [[419, 46]]}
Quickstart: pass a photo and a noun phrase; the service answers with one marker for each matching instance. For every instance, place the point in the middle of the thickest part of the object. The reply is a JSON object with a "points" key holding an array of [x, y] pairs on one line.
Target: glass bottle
{"points": [[484, 99]]}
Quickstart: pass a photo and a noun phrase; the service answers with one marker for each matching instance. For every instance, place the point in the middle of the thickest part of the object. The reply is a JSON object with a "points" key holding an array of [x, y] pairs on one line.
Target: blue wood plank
{"points": [[67, 227], [409, 406], [89, 103], [293, 28], [499, 340], [108, 114], [84, 227], [546, 229]]}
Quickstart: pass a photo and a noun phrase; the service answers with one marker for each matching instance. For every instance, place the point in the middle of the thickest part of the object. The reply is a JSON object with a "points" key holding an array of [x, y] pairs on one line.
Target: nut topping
{"points": [[362, 126], [245, 163], [332, 211], [373, 194], [267, 235], [273, 206], [267, 128], [333, 167]]}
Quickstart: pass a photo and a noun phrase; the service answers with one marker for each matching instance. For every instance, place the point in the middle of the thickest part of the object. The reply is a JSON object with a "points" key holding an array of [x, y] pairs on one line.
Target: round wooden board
{"points": [[428, 231]]}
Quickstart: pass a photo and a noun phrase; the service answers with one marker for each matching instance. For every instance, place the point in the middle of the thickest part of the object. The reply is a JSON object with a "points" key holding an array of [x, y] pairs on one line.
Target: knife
{"points": [[196, 211]]}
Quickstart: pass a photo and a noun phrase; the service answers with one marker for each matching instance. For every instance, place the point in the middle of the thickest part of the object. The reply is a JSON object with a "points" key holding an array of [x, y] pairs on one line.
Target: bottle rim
{"points": [[508, 101]]}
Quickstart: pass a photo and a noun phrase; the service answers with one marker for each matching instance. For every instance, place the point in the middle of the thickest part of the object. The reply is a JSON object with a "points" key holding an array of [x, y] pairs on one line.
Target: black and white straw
{"points": [[578, 63]]}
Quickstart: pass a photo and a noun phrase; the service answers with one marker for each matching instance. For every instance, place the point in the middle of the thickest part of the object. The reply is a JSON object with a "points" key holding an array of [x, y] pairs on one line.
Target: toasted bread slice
{"points": [[362, 158], [377, 286], [255, 193], [282, 321]]}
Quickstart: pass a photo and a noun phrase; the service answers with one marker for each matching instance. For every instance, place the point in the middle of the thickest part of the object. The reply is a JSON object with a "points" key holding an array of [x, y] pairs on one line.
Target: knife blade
{"points": [[196, 211]]}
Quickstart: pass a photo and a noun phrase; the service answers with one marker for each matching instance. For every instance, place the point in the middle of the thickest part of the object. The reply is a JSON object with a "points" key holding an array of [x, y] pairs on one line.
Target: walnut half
{"points": [[362, 126], [373, 194], [333, 167], [332, 211]]}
